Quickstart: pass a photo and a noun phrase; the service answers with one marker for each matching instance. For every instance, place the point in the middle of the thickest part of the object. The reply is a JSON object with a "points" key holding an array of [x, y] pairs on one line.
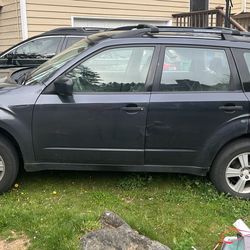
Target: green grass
{"points": [[178, 210]]}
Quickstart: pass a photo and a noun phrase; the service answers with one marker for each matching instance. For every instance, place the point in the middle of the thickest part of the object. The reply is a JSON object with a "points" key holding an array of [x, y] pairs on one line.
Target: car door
{"points": [[196, 106], [104, 121]]}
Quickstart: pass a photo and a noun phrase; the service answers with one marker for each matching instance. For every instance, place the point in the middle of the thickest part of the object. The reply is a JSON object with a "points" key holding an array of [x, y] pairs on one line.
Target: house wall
{"points": [[237, 5], [248, 5], [9, 24], [47, 14], [43, 15]]}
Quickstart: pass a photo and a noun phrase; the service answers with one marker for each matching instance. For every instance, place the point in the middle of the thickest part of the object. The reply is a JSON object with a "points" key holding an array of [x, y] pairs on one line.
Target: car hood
{"points": [[8, 85], [7, 71], [5, 74]]}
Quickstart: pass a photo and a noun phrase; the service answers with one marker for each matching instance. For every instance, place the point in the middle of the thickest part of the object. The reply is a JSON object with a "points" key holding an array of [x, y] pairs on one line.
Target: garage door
{"points": [[113, 23]]}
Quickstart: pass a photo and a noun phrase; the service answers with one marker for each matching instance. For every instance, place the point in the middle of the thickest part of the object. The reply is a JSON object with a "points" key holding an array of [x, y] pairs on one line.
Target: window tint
{"points": [[195, 69], [113, 70], [72, 40]]}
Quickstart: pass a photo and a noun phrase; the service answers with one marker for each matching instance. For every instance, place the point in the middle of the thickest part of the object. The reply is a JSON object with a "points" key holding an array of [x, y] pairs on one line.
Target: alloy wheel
{"points": [[238, 173]]}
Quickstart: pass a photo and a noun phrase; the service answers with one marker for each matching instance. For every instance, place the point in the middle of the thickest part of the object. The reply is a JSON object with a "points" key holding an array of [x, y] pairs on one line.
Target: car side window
{"points": [[242, 57], [72, 40], [195, 69], [113, 70], [247, 60], [32, 53], [246, 56], [43, 47]]}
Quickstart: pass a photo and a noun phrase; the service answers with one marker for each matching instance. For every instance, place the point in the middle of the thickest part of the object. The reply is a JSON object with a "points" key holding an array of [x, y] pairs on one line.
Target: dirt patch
{"points": [[15, 242]]}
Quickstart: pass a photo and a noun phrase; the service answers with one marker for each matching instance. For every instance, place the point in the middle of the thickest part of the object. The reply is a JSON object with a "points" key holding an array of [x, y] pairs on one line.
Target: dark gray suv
{"points": [[145, 98]]}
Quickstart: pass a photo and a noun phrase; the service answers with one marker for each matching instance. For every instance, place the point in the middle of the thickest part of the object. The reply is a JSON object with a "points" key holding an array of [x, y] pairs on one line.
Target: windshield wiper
{"points": [[23, 78]]}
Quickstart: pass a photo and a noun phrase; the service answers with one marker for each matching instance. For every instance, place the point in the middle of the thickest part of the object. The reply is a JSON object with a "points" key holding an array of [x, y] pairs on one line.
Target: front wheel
{"points": [[230, 172], [9, 164]]}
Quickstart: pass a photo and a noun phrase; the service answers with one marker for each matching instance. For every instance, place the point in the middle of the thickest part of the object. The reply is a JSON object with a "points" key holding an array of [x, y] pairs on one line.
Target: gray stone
{"points": [[116, 234]]}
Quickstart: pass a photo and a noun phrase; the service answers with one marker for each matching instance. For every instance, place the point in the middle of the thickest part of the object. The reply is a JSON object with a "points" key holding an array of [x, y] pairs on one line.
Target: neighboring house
{"points": [[20, 19]]}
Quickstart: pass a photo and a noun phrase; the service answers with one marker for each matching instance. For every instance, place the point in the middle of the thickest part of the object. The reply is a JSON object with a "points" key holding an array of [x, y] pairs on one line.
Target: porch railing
{"points": [[206, 18], [243, 19]]}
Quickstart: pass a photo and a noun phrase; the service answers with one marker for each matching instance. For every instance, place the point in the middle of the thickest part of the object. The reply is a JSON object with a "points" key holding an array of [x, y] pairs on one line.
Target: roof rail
{"points": [[74, 30], [154, 29], [136, 31], [94, 29], [150, 30]]}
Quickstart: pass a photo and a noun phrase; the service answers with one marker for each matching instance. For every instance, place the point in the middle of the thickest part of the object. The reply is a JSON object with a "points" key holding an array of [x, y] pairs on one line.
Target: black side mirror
{"points": [[64, 86]]}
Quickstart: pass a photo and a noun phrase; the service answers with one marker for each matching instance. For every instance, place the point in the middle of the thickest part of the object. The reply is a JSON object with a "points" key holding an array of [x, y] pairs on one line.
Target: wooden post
{"points": [[219, 17]]}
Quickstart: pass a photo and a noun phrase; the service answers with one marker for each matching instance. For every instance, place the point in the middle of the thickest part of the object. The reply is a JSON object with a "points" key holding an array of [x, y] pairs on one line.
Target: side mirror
{"points": [[64, 86]]}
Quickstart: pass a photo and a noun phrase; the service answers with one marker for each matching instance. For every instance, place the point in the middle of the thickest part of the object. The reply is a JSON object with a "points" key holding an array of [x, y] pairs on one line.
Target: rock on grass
{"points": [[116, 234]]}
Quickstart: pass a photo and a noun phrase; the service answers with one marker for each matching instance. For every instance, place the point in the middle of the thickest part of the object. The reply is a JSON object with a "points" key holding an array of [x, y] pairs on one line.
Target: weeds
{"points": [[135, 181]]}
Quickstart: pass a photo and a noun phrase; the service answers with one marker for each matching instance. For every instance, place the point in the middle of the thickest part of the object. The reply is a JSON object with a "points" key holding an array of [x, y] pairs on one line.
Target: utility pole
{"points": [[229, 5]]}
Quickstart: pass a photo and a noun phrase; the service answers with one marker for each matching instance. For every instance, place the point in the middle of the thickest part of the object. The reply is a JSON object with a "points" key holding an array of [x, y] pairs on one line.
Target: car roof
{"points": [[73, 31], [210, 36]]}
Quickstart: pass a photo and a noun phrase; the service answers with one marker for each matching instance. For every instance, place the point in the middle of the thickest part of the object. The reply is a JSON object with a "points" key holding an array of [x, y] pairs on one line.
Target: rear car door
{"points": [[104, 121], [196, 106]]}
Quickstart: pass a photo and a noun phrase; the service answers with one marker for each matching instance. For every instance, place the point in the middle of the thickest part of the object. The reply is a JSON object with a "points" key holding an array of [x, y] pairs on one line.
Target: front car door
{"points": [[104, 121], [196, 107]]}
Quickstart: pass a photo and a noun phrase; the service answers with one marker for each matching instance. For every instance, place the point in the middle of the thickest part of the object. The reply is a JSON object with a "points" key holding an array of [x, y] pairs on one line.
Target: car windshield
{"points": [[47, 69]]}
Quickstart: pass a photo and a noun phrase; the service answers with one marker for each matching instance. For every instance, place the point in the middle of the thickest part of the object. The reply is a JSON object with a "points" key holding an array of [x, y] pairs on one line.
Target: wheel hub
{"points": [[245, 174]]}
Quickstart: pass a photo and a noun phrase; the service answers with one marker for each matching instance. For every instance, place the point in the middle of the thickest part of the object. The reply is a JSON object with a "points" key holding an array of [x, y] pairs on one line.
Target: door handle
{"points": [[132, 109], [231, 108]]}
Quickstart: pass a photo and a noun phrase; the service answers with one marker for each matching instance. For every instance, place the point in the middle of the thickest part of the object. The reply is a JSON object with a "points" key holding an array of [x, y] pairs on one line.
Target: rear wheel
{"points": [[9, 164], [230, 172]]}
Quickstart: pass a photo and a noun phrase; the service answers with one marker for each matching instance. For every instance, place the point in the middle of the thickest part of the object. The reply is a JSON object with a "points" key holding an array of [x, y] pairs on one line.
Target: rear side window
{"points": [[247, 60], [246, 57], [195, 69], [72, 40], [242, 57]]}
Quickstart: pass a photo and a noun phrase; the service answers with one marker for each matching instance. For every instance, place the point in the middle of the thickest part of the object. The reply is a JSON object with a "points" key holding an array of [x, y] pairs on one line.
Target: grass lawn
{"points": [[54, 209]]}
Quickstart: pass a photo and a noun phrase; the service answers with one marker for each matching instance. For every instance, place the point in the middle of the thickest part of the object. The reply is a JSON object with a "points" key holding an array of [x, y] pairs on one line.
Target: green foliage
{"points": [[54, 209], [135, 181], [184, 244]]}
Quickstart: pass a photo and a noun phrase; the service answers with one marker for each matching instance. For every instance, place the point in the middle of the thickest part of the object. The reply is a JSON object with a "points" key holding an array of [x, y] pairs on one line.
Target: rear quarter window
{"points": [[72, 40], [247, 60], [242, 57]]}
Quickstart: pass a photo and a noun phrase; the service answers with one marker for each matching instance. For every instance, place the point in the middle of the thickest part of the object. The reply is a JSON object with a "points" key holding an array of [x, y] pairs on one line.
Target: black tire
{"points": [[230, 156], [10, 158]]}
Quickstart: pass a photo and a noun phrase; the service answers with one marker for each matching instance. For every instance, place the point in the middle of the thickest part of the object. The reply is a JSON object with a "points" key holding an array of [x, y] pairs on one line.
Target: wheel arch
{"points": [[245, 136], [226, 134], [14, 142]]}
